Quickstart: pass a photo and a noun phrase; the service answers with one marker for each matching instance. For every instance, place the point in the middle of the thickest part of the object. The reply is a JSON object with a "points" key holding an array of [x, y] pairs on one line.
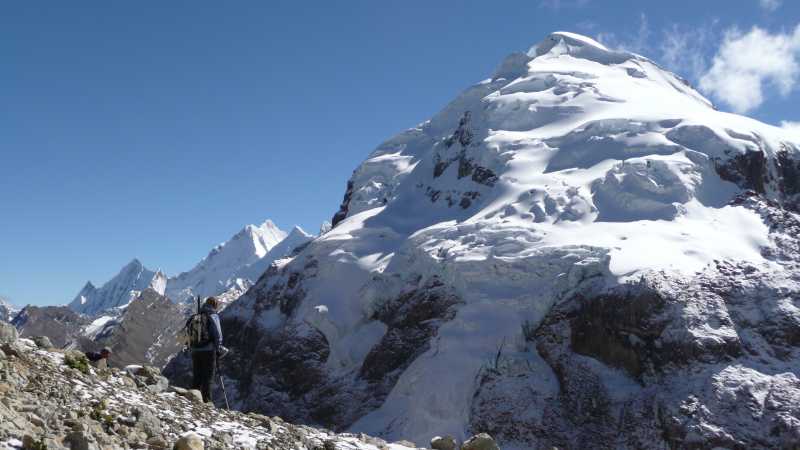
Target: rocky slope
{"points": [[47, 400], [578, 251], [60, 324], [145, 333]]}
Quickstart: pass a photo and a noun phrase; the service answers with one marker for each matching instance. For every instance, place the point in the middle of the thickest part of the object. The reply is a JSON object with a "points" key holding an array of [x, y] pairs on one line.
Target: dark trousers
{"points": [[204, 366]]}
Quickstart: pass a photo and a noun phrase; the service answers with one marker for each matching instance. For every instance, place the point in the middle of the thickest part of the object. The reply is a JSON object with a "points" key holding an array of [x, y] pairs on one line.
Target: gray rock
{"points": [[42, 342], [158, 384], [147, 421], [444, 443], [79, 440], [189, 441], [406, 443], [157, 442], [8, 333], [480, 442], [36, 420], [194, 395], [178, 390]]}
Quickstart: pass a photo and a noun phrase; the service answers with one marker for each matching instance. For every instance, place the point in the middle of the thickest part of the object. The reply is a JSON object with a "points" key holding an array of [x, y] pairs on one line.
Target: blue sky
{"points": [[158, 129]]}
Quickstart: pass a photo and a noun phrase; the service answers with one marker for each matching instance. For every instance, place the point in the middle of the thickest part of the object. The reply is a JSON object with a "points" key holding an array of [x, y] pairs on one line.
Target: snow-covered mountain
{"points": [[7, 310], [237, 263], [119, 291], [294, 240], [578, 252], [228, 270]]}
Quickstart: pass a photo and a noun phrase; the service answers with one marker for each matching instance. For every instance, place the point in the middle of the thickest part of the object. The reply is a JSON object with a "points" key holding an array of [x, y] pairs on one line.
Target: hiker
{"points": [[99, 359], [205, 340]]}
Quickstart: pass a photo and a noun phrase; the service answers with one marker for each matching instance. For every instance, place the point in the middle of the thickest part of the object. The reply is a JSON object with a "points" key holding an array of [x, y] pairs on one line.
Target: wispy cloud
{"points": [[637, 42], [770, 5], [747, 62], [686, 50]]}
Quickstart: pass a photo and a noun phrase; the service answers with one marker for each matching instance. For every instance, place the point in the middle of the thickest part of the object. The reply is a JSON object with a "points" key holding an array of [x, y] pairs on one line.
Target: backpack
{"points": [[197, 330]]}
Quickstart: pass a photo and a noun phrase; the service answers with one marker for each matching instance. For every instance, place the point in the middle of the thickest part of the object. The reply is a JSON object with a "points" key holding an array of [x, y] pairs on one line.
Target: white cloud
{"points": [[770, 5], [685, 50], [746, 63], [794, 127]]}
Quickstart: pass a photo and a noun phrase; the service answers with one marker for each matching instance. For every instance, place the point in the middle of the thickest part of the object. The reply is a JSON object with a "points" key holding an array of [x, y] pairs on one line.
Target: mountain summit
{"points": [[227, 271], [120, 290], [221, 269], [577, 245]]}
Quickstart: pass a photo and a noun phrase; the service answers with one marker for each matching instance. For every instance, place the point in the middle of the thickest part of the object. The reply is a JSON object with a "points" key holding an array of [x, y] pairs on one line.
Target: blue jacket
{"points": [[215, 330]]}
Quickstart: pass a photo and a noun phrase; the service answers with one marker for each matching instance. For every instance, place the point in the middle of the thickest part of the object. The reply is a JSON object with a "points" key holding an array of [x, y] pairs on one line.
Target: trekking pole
{"points": [[222, 384]]}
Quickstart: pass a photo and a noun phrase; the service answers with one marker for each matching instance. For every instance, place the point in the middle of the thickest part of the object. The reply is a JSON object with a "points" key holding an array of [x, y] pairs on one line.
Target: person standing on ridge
{"points": [[205, 340]]}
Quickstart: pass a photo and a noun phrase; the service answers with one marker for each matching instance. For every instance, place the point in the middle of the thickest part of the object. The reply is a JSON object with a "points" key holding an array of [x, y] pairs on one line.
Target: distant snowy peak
{"points": [[7, 310], [85, 294], [255, 239], [233, 266], [245, 247], [296, 238], [228, 270], [120, 290]]}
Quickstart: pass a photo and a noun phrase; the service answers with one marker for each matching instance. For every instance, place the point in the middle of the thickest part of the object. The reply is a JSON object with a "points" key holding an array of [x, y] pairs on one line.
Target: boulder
{"points": [[444, 443], [157, 442], [194, 395], [158, 384], [480, 442], [11, 349], [147, 421], [8, 333], [80, 440], [189, 441], [42, 342]]}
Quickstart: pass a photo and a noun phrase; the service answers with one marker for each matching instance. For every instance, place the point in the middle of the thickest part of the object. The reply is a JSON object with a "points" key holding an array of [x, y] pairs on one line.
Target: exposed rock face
{"points": [[345, 206], [145, 333], [59, 323], [47, 404]]}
